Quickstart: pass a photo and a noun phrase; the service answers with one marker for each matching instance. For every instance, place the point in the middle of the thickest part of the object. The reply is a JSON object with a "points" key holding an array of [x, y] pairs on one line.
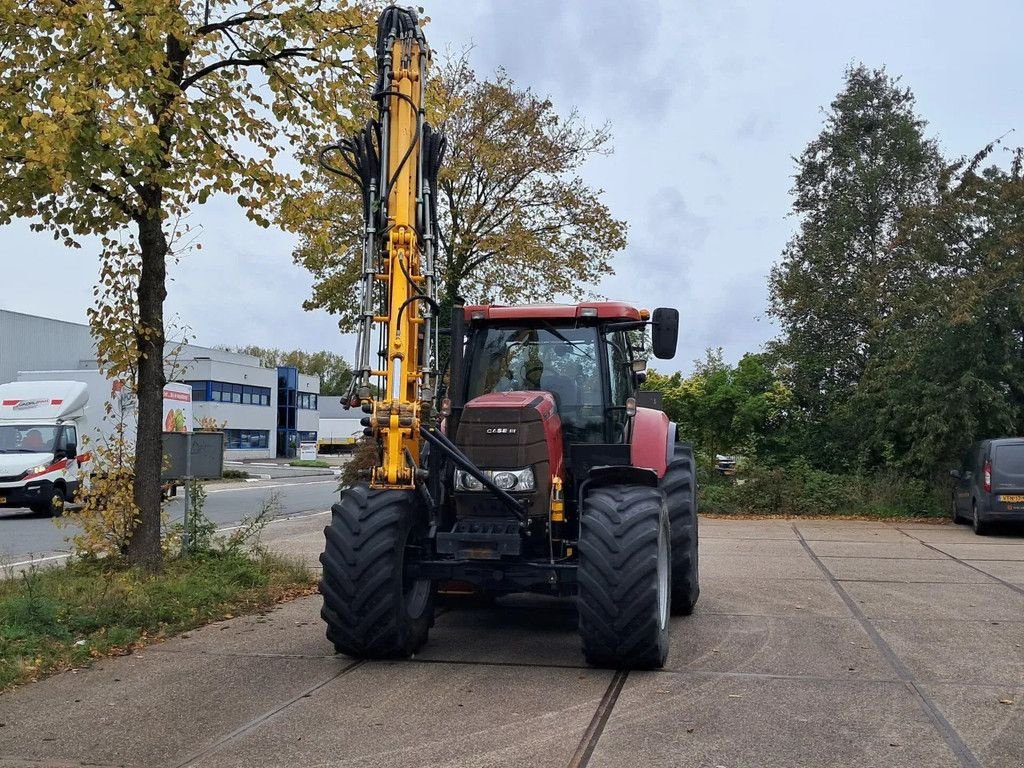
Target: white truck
{"points": [[339, 435], [46, 423]]}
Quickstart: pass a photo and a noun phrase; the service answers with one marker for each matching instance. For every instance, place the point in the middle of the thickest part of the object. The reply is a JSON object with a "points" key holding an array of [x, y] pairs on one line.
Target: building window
{"points": [[198, 390], [246, 439], [308, 400], [224, 392], [307, 437]]}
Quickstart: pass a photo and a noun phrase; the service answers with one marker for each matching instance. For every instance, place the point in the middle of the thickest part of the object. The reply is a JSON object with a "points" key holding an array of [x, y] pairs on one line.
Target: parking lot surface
{"points": [[814, 643]]}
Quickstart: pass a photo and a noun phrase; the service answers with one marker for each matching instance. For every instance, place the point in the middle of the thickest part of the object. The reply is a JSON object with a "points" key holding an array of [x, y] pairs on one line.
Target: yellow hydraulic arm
{"points": [[395, 159]]}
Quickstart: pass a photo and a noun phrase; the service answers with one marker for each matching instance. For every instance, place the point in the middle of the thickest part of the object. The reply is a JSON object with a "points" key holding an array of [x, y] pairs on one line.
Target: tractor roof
{"points": [[604, 310]]}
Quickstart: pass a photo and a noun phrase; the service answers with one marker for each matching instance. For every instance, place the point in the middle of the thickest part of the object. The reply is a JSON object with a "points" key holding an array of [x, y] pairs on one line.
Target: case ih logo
{"points": [[502, 430]]}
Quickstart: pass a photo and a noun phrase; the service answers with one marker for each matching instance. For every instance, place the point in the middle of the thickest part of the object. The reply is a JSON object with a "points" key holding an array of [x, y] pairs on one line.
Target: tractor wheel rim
{"points": [[416, 597], [663, 584]]}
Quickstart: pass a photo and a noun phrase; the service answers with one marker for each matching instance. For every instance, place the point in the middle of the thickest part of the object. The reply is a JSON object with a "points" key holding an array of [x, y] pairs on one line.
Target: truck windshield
{"points": [[27, 438], [562, 361]]}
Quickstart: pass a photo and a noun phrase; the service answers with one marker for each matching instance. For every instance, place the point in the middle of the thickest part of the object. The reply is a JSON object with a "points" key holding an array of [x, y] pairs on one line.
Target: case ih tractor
{"points": [[536, 471]]}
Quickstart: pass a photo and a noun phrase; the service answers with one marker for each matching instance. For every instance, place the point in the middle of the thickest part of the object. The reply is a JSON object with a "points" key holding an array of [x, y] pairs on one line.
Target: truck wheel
{"points": [[625, 583], [981, 528], [680, 487], [372, 609], [54, 507]]}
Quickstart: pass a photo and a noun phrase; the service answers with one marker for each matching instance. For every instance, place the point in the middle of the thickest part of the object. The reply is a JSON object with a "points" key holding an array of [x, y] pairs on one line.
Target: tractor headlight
{"points": [[505, 479], [466, 482]]}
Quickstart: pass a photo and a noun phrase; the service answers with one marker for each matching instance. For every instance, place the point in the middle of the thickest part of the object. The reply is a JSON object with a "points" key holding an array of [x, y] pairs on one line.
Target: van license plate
{"points": [[1012, 499]]}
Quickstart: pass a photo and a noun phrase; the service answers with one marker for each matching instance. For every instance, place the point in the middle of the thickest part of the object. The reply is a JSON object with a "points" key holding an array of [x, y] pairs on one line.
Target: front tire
{"points": [[680, 487], [372, 609], [625, 583], [54, 506]]}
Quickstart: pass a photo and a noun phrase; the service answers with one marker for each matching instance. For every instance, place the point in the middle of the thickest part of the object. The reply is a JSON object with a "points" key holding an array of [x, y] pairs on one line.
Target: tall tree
{"points": [[125, 114], [952, 368], [518, 222], [840, 276]]}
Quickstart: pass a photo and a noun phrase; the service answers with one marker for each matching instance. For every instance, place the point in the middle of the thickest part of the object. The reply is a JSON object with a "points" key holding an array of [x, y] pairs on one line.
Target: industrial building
{"points": [[264, 412]]}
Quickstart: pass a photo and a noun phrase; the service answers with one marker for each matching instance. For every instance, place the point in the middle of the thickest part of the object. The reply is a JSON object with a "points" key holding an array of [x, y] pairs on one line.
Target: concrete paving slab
{"points": [[906, 571], [812, 646], [772, 567], [730, 546], [948, 534], [293, 629], [733, 595], [994, 731], [746, 529], [965, 652], [148, 709], [979, 551], [519, 629], [703, 720], [1007, 570], [930, 602], [865, 533], [419, 714], [893, 550]]}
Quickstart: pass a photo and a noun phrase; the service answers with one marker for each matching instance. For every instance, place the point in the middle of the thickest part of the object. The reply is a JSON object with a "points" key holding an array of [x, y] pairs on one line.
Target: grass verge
{"points": [[56, 618], [309, 463]]}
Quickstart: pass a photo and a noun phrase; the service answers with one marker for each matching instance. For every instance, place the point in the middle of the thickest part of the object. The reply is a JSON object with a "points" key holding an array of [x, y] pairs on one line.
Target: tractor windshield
{"points": [[562, 361]]}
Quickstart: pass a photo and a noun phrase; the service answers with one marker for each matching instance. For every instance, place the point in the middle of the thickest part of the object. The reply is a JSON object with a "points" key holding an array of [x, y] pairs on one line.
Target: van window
{"points": [[1008, 461]]}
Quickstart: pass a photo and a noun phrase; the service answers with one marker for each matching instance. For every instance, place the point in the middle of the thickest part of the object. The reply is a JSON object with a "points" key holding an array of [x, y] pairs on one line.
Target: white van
{"points": [[40, 424], [46, 423]]}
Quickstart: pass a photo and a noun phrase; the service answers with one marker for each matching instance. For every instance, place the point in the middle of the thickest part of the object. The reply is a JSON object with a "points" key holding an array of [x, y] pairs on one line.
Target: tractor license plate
{"points": [[1012, 499]]}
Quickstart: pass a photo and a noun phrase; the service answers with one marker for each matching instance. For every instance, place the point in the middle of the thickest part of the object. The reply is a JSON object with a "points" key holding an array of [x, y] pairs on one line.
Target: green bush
{"points": [[799, 489]]}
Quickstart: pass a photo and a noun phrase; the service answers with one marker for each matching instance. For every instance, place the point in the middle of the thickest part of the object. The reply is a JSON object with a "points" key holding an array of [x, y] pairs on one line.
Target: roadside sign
{"points": [[205, 460], [307, 451]]}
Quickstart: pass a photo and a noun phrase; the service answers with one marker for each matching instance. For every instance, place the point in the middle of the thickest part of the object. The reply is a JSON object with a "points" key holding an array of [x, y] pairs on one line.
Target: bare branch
{"points": [[284, 53]]}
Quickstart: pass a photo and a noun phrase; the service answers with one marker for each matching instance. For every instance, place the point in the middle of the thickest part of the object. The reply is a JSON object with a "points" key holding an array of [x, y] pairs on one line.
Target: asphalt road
{"points": [[814, 643], [25, 536]]}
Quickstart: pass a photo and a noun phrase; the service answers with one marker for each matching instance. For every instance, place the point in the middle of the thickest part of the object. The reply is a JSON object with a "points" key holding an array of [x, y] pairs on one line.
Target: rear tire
{"points": [[625, 583], [680, 487], [371, 609], [981, 528]]}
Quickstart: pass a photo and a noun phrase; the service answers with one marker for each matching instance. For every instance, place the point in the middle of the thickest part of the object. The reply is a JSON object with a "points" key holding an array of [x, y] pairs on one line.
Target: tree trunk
{"points": [[144, 546]]}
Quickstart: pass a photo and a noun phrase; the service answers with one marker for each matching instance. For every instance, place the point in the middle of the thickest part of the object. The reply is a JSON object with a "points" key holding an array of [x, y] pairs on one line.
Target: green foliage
{"points": [[334, 371], [840, 277], [796, 488], [901, 298], [65, 617], [728, 409]]}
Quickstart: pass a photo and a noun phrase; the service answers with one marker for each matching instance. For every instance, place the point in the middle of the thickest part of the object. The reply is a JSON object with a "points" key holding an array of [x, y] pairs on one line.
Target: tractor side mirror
{"points": [[665, 332]]}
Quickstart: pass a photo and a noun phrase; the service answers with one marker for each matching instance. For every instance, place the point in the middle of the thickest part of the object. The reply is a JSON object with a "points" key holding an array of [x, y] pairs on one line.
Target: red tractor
{"points": [[544, 477], [538, 472]]}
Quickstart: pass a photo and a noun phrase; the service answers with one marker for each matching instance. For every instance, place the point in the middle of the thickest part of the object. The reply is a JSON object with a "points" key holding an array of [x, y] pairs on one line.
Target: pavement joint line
{"points": [[961, 751], [252, 724], [588, 743], [1007, 584]]}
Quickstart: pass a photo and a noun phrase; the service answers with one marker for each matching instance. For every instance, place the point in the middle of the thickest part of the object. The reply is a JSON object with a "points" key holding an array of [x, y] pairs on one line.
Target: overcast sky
{"points": [[708, 102]]}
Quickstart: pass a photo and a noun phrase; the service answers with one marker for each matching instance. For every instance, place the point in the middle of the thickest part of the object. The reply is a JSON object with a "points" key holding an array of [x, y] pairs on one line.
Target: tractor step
{"points": [[475, 539]]}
